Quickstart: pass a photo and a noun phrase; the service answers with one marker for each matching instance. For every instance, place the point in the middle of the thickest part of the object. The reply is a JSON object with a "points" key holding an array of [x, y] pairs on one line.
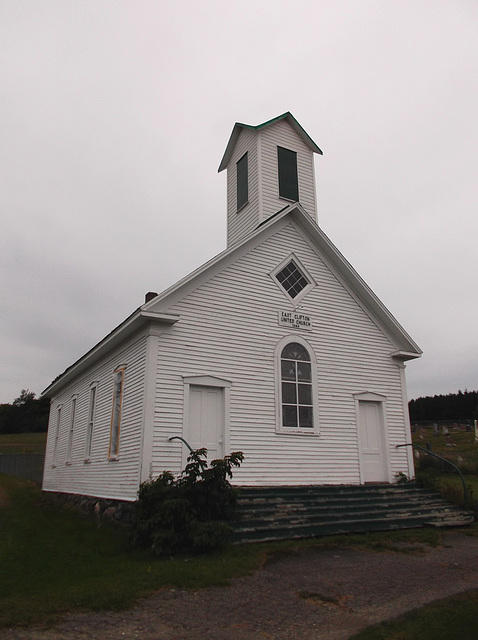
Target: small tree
{"points": [[25, 396], [187, 513], [25, 415]]}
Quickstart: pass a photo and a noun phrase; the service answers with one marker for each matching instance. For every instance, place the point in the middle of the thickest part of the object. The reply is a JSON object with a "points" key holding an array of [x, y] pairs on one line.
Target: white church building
{"points": [[276, 347]]}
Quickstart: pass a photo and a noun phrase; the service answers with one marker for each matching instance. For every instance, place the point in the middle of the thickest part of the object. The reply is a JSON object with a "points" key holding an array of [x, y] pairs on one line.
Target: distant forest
{"points": [[25, 415], [454, 406], [28, 414]]}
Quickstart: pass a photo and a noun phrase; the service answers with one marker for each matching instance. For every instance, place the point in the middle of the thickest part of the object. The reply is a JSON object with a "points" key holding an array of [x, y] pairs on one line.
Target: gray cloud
{"points": [[114, 117]]}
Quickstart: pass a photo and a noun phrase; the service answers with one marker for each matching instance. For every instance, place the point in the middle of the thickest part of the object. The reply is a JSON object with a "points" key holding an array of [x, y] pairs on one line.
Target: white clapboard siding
{"points": [[264, 201], [101, 477], [225, 329], [228, 328], [241, 223], [282, 134]]}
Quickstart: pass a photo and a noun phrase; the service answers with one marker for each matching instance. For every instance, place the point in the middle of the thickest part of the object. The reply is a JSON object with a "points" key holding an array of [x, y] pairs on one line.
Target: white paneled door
{"points": [[206, 420], [371, 441]]}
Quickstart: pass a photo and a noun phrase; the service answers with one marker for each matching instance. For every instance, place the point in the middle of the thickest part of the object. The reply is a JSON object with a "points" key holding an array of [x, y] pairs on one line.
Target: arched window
{"points": [[297, 410]]}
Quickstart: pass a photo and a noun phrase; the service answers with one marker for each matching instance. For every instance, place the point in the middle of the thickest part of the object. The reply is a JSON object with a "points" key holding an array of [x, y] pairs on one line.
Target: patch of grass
{"points": [[54, 561], [22, 442], [400, 541], [319, 598], [455, 481], [447, 619], [406, 541], [459, 447], [450, 487]]}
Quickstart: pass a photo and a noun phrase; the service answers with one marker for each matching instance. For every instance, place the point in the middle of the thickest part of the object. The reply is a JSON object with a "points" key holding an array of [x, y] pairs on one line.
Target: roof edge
{"points": [[138, 319], [301, 132], [405, 347]]}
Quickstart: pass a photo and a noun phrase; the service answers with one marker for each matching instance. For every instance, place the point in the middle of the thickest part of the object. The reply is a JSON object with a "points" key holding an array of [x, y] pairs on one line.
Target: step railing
{"points": [[191, 450], [435, 455]]}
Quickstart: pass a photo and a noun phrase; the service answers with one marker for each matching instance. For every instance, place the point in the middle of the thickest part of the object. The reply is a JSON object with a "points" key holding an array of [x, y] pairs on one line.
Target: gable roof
{"points": [[288, 117], [406, 348], [157, 310], [135, 322]]}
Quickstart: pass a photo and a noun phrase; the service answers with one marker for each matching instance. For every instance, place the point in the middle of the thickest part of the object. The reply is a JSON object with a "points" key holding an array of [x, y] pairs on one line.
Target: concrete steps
{"points": [[274, 513]]}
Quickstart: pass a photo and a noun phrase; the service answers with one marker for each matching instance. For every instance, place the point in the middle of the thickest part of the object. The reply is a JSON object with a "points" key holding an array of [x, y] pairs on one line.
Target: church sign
{"points": [[295, 320]]}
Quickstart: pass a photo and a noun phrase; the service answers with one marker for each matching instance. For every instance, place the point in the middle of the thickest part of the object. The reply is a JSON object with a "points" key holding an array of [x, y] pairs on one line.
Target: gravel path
{"points": [[321, 594]]}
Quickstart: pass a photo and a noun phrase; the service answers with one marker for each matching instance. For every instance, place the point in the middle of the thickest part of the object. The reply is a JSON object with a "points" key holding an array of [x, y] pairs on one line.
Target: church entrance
{"points": [[206, 420], [371, 433]]}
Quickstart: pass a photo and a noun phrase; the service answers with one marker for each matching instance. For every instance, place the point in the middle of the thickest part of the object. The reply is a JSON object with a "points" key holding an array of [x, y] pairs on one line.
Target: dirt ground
{"points": [[321, 594]]}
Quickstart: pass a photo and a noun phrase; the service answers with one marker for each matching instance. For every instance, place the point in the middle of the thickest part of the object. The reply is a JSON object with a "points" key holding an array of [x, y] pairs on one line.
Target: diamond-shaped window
{"points": [[292, 279]]}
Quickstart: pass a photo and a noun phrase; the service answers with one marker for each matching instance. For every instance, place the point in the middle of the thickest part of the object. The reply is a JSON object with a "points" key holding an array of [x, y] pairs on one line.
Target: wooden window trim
{"points": [[117, 404]]}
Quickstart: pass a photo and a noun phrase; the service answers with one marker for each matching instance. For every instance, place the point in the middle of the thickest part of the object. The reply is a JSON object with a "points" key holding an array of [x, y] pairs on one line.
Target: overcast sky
{"points": [[114, 116]]}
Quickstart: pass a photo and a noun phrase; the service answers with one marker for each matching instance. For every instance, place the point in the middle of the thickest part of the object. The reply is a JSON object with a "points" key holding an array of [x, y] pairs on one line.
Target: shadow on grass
{"points": [[448, 619], [54, 561]]}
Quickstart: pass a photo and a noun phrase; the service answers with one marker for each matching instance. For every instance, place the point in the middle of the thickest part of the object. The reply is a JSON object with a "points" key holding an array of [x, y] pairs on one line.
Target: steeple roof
{"points": [[285, 116]]}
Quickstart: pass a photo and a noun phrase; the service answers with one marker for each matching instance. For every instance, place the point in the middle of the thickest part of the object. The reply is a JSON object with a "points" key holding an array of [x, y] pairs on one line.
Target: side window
{"points": [[242, 182], [297, 393], [57, 434], [72, 427], [91, 420], [288, 176], [118, 379]]}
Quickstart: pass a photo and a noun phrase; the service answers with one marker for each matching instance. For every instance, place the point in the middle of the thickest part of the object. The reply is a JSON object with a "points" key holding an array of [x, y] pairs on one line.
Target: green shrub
{"points": [[187, 513]]}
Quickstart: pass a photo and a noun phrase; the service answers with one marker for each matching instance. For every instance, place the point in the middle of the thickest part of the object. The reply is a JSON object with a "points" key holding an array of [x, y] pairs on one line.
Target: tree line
{"points": [[26, 414], [453, 406]]}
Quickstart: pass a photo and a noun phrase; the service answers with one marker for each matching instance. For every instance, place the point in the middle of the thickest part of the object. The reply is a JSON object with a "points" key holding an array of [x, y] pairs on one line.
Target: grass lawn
{"points": [[455, 481], [22, 442], [53, 561], [459, 447], [454, 618]]}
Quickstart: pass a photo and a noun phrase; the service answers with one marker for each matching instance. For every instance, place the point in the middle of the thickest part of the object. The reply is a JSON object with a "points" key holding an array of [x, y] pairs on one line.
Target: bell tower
{"points": [[269, 166]]}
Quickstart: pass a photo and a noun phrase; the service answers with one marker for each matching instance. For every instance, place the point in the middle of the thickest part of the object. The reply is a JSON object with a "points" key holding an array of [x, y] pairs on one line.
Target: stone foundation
{"points": [[100, 508]]}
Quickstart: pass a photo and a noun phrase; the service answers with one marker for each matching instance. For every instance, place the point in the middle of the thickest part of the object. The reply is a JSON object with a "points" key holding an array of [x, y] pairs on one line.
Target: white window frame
{"points": [[57, 434], [117, 404], [315, 430], [312, 283], [91, 419], [74, 402]]}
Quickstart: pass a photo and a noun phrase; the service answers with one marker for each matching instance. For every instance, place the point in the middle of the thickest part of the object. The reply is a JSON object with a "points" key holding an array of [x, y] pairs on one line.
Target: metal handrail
{"points": [[201, 462], [435, 455]]}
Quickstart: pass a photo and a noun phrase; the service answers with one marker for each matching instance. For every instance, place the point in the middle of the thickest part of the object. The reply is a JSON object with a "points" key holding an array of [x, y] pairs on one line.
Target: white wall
{"points": [[282, 134], [241, 223], [264, 200], [101, 477], [229, 329]]}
